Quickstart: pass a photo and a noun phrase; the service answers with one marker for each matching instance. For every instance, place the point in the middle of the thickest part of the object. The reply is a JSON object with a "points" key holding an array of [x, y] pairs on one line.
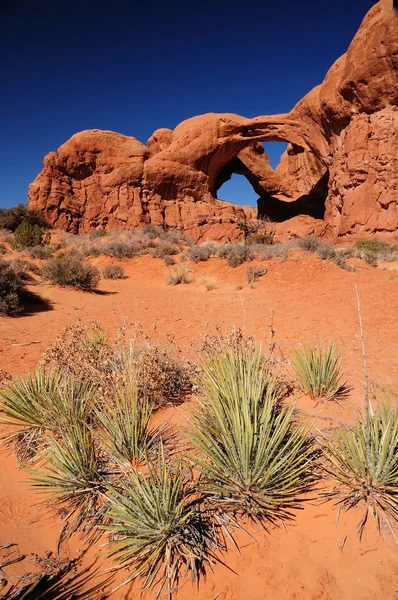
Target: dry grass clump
{"points": [[70, 271], [165, 250], [362, 461], [209, 281], [113, 272], [268, 252], [24, 268], [41, 252], [319, 371], [179, 274]]}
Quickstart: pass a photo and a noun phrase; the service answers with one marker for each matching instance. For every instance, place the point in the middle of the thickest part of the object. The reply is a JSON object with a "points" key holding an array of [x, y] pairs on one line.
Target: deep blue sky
{"points": [[133, 67]]}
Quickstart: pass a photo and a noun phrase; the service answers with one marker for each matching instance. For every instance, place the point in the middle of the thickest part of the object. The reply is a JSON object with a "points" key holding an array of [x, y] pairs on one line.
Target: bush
{"points": [[11, 218], [310, 243], [41, 252], [27, 235], [224, 250], [179, 275], [12, 289], [72, 272], [24, 267], [164, 250], [363, 463], [254, 273], [252, 459], [319, 371], [238, 255], [202, 253], [209, 281], [113, 272], [375, 247], [119, 249], [169, 261], [268, 252]]}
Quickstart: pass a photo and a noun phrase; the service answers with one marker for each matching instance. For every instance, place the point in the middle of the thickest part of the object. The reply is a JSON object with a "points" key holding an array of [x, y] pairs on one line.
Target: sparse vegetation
{"points": [[362, 461], [319, 371], [12, 218], [41, 252], [113, 272], [70, 271], [209, 281], [239, 254], [165, 250], [179, 274], [201, 253], [253, 460], [12, 289], [254, 273]]}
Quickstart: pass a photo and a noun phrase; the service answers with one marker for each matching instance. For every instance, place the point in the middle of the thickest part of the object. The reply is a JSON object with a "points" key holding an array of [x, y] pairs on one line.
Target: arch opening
{"points": [[297, 186]]}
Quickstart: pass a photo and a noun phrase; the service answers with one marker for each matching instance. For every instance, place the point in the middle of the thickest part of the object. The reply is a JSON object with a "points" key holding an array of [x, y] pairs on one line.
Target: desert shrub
{"points": [[74, 480], [119, 249], [252, 458], [319, 372], [254, 273], [162, 378], [223, 250], [310, 243], [27, 235], [161, 531], [11, 218], [41, 252], [362, 461], [24, 267], [38, 403], [179, 274], [375, 247], [202, 253], [72, 272], [268, 252], [238, 255], [169, 261], [113, 272], [84, 353], [164, 250], [327, 252], [209, 281], [12, 289]]}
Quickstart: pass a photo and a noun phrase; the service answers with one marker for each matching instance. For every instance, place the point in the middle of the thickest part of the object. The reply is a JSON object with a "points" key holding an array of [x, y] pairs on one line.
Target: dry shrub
{"points": [[201, 253], [169, 261], [239, 254], [180, 274], [113, 272], [12, 288], [70, 271], [164, 250], [162, 377], [209, 281], [254, 273]]}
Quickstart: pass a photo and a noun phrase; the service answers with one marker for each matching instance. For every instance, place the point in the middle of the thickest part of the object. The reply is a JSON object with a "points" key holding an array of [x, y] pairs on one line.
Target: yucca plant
{"points": [[159, 530], [362, 461], [252, 458], [73, 479], [123, 427], [39, 402], [319, 371]]}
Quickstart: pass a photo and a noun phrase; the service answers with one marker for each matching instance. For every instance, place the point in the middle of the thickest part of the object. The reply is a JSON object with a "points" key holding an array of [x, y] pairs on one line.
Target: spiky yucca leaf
{"points": [[363, 462], [39, 402], [159, 530], [74, 479], [319, 371], [251, 458], [124, 428]]}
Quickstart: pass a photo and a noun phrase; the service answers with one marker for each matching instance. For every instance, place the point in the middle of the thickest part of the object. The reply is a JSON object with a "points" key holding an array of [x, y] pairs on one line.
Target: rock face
{"points": [[338, 177]]}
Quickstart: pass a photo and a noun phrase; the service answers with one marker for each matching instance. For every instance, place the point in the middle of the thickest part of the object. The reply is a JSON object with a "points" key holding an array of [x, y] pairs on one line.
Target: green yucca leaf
{"points": [[73, 479], [40, 402], [159, 529], [363, 463], [319, 371], [124, 428], [251, 457]]}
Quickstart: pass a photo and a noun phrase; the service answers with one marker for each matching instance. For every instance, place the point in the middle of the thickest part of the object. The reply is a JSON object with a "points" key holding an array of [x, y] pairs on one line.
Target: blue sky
{"points": [[133, 67]]}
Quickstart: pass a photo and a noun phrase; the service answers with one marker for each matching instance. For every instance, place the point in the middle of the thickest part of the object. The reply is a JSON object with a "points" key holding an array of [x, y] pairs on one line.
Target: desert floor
{"points": [[315, 557]]}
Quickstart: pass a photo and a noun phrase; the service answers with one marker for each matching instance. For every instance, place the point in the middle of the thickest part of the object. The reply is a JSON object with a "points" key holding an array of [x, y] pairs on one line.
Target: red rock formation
{"points": [[339, 175]]}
